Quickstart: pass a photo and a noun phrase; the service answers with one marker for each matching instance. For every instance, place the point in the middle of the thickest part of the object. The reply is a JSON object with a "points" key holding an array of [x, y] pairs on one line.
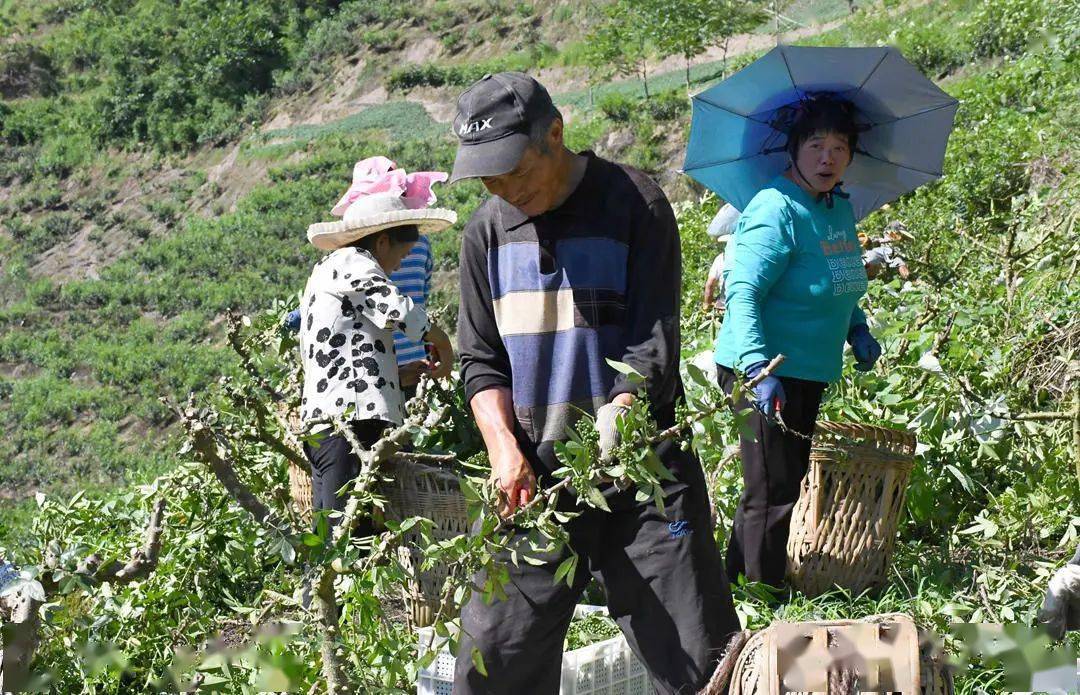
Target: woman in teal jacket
{"points": [[793, 290]]}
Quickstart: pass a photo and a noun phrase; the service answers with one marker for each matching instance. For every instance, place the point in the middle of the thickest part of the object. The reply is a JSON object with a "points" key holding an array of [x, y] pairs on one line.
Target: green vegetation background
{"points": [[993, 503]]}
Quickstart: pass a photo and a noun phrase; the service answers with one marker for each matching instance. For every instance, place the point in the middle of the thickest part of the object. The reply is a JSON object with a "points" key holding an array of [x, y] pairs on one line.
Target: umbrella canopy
{"points": [[738, 131]]}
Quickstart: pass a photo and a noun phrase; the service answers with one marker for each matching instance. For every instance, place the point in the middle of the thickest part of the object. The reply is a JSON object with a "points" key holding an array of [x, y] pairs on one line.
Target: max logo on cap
{"points": [[475, 126]]}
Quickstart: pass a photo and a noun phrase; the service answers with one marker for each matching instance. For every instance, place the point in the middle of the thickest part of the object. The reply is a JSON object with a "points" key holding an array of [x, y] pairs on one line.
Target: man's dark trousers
{"points": [[665, 585], [773, 468]]}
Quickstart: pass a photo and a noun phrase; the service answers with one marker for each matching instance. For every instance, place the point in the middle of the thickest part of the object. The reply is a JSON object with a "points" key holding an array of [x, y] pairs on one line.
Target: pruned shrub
{"points": [[667, 106], [1008, 27], [617, 107]]}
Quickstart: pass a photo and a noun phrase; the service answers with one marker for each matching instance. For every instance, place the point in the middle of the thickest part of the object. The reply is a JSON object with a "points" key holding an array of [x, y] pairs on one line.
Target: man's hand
{"points": [[1061, 605], [607, 426], [512, 477], [708, 301], [441, 354], [511, 474], [865, 348]]}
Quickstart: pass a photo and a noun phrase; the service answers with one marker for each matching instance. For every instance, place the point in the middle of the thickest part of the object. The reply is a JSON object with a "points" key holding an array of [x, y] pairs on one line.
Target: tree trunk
{"points": [[776, 20], [1076, 429], [18, 641], [687, 59], [337, 683]]}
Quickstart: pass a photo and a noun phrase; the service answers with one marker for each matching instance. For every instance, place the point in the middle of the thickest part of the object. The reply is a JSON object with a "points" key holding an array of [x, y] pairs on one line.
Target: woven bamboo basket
{"points": [[882, 653], [433, 493], [415, 490], [843, 527], [300, 491], [299, 476]]}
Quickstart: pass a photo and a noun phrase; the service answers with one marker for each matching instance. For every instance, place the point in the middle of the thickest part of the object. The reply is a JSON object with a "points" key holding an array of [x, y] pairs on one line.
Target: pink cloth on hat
{"points": [[381, 175]]}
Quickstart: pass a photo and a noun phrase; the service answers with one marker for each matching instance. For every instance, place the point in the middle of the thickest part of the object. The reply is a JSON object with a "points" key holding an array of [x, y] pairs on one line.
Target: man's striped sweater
{"points": [[545, 301]]}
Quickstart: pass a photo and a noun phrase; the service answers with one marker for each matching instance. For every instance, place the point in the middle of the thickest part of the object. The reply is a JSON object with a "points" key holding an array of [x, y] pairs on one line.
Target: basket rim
{"points": [[867, 435]]}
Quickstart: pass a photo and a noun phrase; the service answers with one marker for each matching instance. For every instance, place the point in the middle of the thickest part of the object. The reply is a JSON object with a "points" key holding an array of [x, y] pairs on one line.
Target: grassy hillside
{"points": [[128, 159], [128, 233], [118, 265]]}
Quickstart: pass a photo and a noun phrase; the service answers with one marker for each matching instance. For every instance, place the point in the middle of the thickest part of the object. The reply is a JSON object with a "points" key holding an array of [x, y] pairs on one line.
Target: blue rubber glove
{"points": [[292, 320], [864, 347], [769, 397]]}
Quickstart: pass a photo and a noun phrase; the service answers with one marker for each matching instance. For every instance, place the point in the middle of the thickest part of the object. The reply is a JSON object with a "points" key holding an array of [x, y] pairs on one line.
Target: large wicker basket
{"points": [[433, 493], [880, 653], [414, 490], [843, 528], [300, 491]]}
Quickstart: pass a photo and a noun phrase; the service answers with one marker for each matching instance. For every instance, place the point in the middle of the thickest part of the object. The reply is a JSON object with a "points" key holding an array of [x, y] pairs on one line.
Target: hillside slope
{"points": [[119, 263], [114, 282], [980, 349]]}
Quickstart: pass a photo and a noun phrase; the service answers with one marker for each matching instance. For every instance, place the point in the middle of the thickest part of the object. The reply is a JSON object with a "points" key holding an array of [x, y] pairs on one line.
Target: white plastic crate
{"points": [[438, 677], [605, 668]]}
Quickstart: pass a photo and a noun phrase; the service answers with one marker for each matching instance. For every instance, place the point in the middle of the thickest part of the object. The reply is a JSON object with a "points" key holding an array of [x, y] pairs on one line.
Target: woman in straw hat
{"points": [[350, 310]]}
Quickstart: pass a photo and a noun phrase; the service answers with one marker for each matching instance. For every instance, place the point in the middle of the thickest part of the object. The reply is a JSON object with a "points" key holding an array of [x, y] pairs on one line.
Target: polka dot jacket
{"points": [[350, 311]]}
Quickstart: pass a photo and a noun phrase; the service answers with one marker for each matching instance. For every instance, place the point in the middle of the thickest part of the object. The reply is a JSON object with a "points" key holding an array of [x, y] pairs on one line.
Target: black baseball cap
{"points": [[493, 120]]}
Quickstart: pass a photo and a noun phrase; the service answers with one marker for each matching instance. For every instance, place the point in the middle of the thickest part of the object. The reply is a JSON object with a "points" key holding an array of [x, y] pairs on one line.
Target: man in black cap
{"points": [[574, 260]]}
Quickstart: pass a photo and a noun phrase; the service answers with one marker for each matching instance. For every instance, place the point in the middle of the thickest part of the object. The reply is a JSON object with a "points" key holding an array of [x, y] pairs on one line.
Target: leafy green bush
{"points": [[355, 25], [45, 194], [453, 40], [619, 108], [45, 232], [25, 121], [931, 47], [63, 153], [1007, 27], [437, 75], [25, 70], [381, 40], [669, 105], [175, 74], [17, 162]]}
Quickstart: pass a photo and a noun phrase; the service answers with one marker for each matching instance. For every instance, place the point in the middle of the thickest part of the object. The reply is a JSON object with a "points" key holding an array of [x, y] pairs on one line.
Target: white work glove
{"points": [[1061, 606], [607, 427]]}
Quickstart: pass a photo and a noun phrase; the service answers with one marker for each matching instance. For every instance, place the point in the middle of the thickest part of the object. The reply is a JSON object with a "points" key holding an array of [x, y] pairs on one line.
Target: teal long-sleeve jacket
{"points": [[793, 284]]}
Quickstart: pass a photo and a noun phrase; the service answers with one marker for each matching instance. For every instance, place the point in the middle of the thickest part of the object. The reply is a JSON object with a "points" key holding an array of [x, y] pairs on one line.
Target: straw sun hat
{"points": [[381, 197]]}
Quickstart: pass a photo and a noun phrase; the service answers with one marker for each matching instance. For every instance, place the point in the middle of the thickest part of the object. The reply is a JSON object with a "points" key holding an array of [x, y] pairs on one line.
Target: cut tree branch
{"points": [[207, 446], [21, 634], [1048, 415], [19, 642], [940, 341], [236, 342], [143, 560], [290, 450], [422, 457], [669, 433]]}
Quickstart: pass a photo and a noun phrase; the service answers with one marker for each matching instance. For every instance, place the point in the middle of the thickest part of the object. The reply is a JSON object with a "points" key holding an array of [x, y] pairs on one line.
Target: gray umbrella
{"points": [[739, 126]]}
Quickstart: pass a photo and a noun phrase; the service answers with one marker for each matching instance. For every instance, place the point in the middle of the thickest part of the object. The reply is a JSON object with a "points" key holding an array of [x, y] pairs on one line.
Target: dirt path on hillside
{"points": [[342, 99], [744, 43], [560, 80]]}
